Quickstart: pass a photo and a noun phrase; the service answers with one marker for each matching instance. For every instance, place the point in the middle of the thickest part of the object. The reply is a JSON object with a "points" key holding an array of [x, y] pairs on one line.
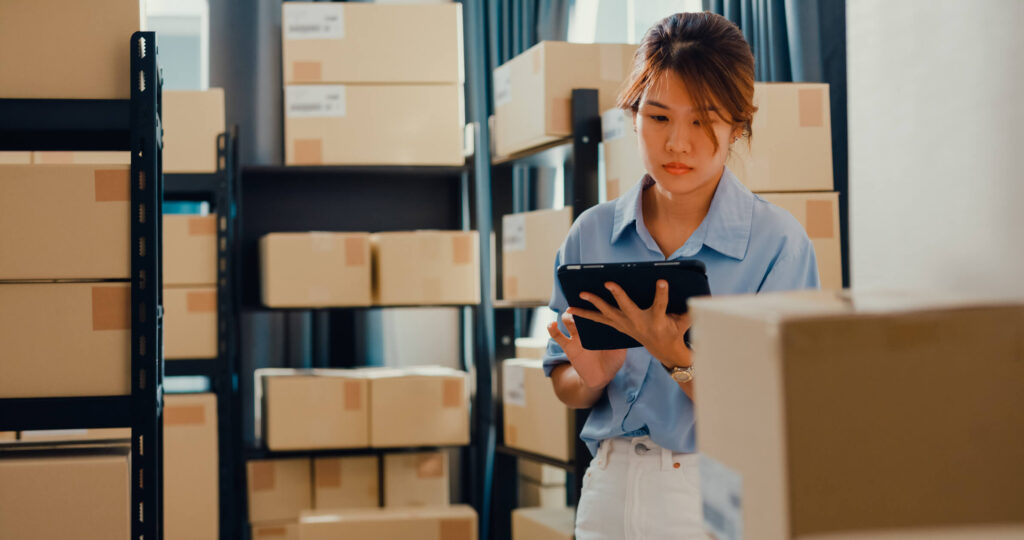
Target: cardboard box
{"points": [[535, 419], [190, 250], [190, 322], [969, 532], [81, 232], [314, 409], [530, 241], [826, 411], [543, 523], [539, 473], [65, 495], [335, 124], [531, 347], [791, 149], [819, 214], [418, 407], [82, 158], [368, 43], [346, 482], [533, 91], [315, 269], [285, 530], [457, 522], [65, 339], [623, 164], [534, 495], [6, 436], [85, 47], [416, 479], [426, 268], [60, 435], [191, 467], [279, 489], [192, 120], [15, 158]]}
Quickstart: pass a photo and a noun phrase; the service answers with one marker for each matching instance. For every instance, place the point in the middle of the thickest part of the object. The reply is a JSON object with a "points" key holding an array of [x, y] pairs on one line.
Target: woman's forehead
{"points": [[668, 90]]}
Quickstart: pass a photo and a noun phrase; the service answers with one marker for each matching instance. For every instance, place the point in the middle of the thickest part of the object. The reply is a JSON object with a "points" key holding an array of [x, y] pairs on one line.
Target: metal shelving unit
{"points": [[131, 125]]}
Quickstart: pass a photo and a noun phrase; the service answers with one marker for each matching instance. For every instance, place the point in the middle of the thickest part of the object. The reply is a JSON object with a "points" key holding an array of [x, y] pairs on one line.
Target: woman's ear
{"points": [[633, 113]]}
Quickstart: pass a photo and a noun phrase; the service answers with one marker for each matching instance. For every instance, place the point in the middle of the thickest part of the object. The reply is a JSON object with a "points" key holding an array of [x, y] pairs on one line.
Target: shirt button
{"points": [[631, 397]]}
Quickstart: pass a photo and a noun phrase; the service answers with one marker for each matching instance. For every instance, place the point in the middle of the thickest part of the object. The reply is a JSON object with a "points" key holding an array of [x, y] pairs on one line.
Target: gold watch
{"points": [[682, 374]]}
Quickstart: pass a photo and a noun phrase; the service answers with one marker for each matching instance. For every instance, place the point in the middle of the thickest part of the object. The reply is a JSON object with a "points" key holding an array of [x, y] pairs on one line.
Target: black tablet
{"points": [[685, 279]]}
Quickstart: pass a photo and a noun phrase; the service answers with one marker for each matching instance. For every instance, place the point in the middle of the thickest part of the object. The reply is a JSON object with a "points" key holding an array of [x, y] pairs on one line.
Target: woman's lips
{"points": [[676, 168]]}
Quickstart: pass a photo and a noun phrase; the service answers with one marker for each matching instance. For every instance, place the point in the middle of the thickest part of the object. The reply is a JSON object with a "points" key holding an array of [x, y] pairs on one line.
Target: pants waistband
{"points": [[640, 449]]}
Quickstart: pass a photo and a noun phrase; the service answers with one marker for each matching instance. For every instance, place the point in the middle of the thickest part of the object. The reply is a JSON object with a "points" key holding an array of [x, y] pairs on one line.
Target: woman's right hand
{"points": [[595, 368]]}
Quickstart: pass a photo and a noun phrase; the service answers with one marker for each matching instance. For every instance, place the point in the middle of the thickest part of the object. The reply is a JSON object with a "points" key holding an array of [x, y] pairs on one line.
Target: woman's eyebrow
{"points": [[656, 104]]}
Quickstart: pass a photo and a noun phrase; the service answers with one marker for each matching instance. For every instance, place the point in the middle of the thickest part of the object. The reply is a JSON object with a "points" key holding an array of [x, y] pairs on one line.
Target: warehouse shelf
{"points": [[262, 453], [519, 304], [65, 124], [569, 466], [360, 172], [24, 414], [552, 154]]}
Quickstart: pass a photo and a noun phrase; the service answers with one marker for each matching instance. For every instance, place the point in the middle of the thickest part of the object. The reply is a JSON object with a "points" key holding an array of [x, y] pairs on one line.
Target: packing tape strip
{"points": [[811, 102], [453, 393], [111, 308], [328, 473], [202, 226], [303, 72], [820, 218], [112, 185], [456, 529], [353, 395], [308, 151], [184, 415], [356, 251], [462, 249], [263, 475], [201, 302], [560, 116], [263, 532], [430, 465]]}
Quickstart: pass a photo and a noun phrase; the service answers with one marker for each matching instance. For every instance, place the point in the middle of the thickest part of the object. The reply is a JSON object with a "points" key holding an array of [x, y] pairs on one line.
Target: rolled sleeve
{"points": [[793, 270]]}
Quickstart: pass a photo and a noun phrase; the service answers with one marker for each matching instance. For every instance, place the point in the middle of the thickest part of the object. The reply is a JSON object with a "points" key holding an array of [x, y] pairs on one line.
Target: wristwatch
{"points": [[682, 374]]}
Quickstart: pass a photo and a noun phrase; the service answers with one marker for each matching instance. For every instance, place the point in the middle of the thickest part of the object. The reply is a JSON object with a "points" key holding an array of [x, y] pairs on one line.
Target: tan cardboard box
{"points": [[528, 347], [533, 91], [88, 356], [819, 214], [791, 149], [285, 530], [539, 473], [191, 467], [8, 436], [623, 164], [56, 435], [426, 268], [529, 243], [82, 158], [316, 409], [457, 522], [316, 269], [346, 482], [968, 532], [65, 496], [82, 232], [15, 158], [416, 479], [368, 43], [85, 47], [535, 419], [543, 523], [279, 489], [534, 495], [828, 411], [190, 250], [190, 322], [192, 120], [335, 124], [418, 407]]}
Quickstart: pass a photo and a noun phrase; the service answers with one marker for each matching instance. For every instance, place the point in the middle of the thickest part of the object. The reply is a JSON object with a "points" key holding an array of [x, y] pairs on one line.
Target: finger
{"points": [[557, 335], [660, 305], [595, 316], [605, 308], [570, 324], [622, 299]]}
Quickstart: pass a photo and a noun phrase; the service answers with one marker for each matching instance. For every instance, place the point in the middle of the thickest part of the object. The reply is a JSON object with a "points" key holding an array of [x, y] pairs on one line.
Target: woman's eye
{"points": [[696, 123], [658, 118]]}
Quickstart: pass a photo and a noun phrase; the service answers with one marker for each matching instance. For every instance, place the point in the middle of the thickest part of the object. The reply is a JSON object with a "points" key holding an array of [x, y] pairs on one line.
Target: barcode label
{"points": [[314, 100], [502, 85], [514, 386], [613, 124], [314, 21], [722, 493], [513, 232]]}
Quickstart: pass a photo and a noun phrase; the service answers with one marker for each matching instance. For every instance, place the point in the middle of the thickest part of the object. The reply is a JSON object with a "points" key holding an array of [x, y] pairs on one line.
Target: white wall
{"points": [[936, 121]]}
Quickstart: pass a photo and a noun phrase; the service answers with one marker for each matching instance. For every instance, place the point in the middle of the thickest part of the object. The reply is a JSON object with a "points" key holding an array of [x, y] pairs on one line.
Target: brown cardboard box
{"points": [[623, 165], [55, 435], [819, 214], [65, 495], [529, 243], [367, 43], [418, 407], [533, 91], [279, 489], [426, 268], [534, 495], [15, 158], [82, 232], [539, 473], [428, 523], [316, 269], [82, 158], [791, 149], [192, 120], [416, 479], [190, 322], [285, 530], [323, 408], [85, 47], [6, 436], [65, 339], [334, 124], [346, 482], [191, 467], [190, 250], [828, 411], [543, 523], [535, 419], [531, 347], [969, 532]]}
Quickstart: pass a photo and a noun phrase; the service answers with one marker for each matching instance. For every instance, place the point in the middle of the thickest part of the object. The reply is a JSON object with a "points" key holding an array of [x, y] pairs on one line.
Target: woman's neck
{"points": [[672, 217]]}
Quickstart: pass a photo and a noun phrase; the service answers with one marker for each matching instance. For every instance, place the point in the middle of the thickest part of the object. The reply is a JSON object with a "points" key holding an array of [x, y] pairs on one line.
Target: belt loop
{"points": [[667, 459], [603, 450]]}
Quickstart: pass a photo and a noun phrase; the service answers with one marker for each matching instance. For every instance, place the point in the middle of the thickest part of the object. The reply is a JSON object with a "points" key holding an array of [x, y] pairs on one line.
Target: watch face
{"points": [[682, 376]]}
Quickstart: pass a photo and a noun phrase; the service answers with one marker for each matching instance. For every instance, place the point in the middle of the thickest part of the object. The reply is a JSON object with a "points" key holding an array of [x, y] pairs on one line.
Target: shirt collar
{"points": [[725, 229]]}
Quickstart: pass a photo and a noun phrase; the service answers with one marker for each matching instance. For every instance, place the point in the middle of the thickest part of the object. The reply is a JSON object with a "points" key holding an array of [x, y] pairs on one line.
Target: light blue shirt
{"points": [[747, 244]]}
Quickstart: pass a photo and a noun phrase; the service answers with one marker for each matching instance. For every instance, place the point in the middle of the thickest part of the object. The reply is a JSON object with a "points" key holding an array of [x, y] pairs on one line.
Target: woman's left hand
{"points": [[659, 332]]}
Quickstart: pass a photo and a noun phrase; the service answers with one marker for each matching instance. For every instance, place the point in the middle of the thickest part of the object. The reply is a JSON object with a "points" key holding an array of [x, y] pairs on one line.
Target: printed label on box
{"points": [[513, 233], [722, 493], [613, 124], [314, 101], [502, 85], [514, 386], [317, 21]]}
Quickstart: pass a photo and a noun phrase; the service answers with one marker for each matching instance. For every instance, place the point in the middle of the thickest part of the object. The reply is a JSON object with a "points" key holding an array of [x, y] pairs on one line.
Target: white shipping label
{"points": [[314, 100], [514, 386], [721, 490], [513, 232], [314, 21], [613, 124], [502, 85]]}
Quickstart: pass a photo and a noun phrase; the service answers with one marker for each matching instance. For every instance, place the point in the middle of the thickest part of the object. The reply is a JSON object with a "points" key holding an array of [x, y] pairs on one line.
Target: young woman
{"points": [[691, 97]]}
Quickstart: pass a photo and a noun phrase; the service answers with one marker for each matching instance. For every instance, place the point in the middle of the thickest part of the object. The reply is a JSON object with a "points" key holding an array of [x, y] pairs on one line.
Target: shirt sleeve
{"points": [[793, 270], [567, 254]]}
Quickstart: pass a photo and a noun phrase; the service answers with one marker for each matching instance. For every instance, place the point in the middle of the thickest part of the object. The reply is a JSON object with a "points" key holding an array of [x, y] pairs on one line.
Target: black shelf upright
{"points": [[116, 124]]}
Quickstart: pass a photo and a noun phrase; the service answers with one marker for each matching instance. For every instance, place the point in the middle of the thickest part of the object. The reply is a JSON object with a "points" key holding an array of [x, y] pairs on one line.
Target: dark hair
{"points": [[709, 54]]}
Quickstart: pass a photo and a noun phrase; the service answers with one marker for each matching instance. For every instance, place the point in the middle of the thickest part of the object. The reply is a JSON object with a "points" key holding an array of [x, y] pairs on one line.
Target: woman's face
{"points": [[675, 148]]}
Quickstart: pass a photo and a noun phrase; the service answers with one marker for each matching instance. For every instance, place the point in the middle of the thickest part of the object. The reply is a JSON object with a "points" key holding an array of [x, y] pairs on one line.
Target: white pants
{"points": [[637, 490]]}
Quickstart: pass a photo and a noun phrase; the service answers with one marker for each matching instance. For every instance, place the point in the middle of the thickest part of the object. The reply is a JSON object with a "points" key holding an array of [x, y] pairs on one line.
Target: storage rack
{"points": [[116, 124], [219, 188]]}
